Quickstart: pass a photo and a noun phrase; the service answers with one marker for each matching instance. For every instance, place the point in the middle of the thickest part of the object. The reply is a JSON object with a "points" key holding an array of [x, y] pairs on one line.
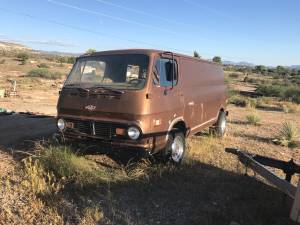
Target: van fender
{"points": [[172, 123]]}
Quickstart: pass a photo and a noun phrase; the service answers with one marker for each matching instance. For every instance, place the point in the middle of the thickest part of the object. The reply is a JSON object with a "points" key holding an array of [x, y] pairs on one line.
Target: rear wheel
{"points": [[176, 148], [219, 128]]}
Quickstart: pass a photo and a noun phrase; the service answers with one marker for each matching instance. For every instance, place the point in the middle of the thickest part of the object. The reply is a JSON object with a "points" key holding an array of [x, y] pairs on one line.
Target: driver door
{"points": [[166, 101]]}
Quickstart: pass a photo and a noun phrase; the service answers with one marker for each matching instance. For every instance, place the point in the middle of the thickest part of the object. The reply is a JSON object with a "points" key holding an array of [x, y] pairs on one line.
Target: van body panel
{"points": [[194, 100]]}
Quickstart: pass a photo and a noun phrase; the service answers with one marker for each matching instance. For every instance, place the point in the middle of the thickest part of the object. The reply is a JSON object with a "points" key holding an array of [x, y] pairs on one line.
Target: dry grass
{"points": [[289, 107], [288, 135], [209, 186], [68, 185], [253, 119]]}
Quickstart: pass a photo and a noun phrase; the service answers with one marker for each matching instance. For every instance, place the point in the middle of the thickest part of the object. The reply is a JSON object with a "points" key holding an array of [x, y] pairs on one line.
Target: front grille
{"points": [[101, 129]]}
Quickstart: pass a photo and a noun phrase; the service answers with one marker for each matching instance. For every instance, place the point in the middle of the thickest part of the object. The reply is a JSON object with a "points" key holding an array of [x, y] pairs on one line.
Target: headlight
{"points": [[61, 124], [133, 133]]}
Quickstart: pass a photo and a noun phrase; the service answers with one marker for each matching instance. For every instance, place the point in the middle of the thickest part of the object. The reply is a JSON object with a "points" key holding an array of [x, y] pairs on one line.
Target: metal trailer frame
{"points": [[257, 163]]}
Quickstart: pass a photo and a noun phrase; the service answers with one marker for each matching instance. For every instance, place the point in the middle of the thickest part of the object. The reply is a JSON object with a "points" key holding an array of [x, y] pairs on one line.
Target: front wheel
{"points": [[176, 148]]}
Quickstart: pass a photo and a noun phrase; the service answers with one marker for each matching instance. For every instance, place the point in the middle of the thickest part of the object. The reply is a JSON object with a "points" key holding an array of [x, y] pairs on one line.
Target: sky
{"points": [[258, 31]]}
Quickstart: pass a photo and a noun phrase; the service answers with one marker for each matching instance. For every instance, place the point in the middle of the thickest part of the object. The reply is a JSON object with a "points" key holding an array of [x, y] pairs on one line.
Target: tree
{"points": [[261, 69], [217, 59], [196, 55], [61, 60], [282, 71], [23, 57], [90, 51], [71, 60]]}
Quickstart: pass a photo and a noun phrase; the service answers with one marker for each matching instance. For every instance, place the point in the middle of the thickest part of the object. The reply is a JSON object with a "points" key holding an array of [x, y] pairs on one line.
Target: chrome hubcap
{"points": [[177, 149]]}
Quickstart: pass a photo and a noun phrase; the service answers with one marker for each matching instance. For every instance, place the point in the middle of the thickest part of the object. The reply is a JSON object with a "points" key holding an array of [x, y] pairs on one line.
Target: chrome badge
{"points": [[90, 107]]}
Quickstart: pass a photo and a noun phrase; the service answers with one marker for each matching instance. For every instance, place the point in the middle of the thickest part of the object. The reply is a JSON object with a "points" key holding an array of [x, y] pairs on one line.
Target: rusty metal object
{"points": [[258, 163]]}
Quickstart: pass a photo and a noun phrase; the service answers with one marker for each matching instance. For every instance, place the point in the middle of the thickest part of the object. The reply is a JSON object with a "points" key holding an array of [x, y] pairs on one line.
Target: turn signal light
{"points": [[120, 131]]}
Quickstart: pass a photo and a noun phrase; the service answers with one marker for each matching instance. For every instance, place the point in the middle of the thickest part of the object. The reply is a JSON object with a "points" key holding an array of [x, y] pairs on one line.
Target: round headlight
{"points": [[133, 133], [61, 124]]}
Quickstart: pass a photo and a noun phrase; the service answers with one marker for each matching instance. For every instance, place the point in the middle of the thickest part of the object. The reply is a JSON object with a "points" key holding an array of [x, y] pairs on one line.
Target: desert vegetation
{"points": [[45, 182], [44, 73]]}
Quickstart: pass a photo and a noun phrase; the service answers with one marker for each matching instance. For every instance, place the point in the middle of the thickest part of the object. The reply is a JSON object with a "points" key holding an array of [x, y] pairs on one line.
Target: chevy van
{"points": [[147, 99]]}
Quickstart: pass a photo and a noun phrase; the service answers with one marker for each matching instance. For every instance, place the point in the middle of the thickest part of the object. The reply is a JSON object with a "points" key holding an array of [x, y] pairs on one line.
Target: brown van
{"points": [[144, 99]]}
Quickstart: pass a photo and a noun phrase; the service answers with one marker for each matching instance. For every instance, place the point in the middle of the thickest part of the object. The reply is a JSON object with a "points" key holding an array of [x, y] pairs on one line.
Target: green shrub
{"points": [[71, 60], [253, 119], [234, 75], [271, 90], [290, 93], [232, 92], [44, 73], [42, 65], [238, 101], [23, 57]]}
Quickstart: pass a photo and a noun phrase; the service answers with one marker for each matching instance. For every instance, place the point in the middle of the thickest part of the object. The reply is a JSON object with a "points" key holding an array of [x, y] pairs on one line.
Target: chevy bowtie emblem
{"points": [[90, 107]]}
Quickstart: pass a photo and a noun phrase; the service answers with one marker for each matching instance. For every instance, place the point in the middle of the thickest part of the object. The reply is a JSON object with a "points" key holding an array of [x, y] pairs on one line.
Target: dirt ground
{"points": [[210, 189], [34, 94]]}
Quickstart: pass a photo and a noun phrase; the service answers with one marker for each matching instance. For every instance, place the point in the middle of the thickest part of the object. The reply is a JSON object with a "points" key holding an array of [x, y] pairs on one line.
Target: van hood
{"points": [[74, 102]]}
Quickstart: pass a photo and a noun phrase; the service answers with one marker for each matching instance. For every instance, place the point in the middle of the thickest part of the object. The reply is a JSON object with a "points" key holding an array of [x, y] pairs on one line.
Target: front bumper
{"points": [[142, 143]]}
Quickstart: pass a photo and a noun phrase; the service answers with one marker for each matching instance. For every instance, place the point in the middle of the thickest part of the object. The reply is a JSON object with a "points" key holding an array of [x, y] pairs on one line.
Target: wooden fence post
{"points": [[295, 214]]}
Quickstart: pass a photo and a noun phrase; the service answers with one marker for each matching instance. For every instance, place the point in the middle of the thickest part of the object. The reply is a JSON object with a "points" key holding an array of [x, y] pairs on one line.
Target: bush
{"points": [[253, 119], [23, 57], [232, 93], [271, 90], [43, 65], [44, 73], [251, 103], [290, 93], [238, 101], [71, 60], [38, 179], [289, 107], [234, 75], [263, 102], [287, 135]]}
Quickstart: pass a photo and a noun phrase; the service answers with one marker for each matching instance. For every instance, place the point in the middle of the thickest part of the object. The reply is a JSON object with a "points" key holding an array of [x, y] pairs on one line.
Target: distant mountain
{"points": [[8, 46], [295, 67], [238, 63], [58, 53]]}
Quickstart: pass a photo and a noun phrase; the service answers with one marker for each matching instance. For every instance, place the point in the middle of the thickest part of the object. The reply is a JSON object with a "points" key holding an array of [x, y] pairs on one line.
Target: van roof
{"points": [[142, 51]]}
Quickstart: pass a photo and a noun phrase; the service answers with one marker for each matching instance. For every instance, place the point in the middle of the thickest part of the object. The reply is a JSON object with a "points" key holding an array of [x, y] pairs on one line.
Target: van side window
{"points": [[163, 72]]}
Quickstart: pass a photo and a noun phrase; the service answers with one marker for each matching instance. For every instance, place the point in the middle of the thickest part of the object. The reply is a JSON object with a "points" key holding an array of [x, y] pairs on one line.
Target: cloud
{"points": [[57, 43], [52, 43]]}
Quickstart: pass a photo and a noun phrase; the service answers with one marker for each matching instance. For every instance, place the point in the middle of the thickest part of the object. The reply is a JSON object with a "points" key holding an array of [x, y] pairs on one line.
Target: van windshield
{"points": [[122, 71]]}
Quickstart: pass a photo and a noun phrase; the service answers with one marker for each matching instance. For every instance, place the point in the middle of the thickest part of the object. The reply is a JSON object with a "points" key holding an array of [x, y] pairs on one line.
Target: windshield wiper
{"points": [[78, 88], [94, 89]]}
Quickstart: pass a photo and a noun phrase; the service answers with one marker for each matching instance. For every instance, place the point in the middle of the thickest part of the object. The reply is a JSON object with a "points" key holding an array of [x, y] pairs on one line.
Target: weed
{"points": [[44, 73], [38, 179], [287, 135], [238, 101], [234, 75], [251, 103], [253, 119], [93, 215], [42, 65], [22, 57], [289, 107]]}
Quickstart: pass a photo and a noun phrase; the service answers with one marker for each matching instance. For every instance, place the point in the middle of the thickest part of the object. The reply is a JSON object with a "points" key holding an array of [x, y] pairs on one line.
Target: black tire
{"points": [[175, 149], [219, 128]]}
